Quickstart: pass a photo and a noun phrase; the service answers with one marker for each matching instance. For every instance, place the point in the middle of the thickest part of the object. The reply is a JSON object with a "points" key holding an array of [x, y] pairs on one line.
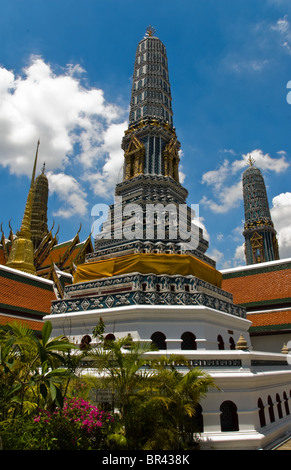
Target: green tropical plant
{"points": [[30, 368], [155, 400], [174, 397], [124, 368], [156, 396]]}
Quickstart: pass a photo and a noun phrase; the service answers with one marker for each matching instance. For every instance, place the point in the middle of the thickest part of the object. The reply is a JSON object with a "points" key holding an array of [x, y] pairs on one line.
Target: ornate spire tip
{"points": [[251, 161], [150, 31]]}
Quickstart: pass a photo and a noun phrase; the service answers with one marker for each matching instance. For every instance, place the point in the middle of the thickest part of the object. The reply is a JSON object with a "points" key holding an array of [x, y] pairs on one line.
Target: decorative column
{"points": [[260, 236]]}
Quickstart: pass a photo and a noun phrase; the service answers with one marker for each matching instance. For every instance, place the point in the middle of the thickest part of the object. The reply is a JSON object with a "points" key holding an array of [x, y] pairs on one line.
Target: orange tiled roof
{"points": [[275, 317], [25, 293], [32, 324], [54, 255], [259, 287], [72, 256]]}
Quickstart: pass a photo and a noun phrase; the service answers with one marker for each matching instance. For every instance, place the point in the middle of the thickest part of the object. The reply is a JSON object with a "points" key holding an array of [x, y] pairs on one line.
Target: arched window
{"points": [[228, 417], [261, 413], [188, 341], [279, 406], [198, 418], [220, 342], [108, 338], [286, 403], [194, 424], [159, 340], [231, 343], [271, 410], [85, 341]]}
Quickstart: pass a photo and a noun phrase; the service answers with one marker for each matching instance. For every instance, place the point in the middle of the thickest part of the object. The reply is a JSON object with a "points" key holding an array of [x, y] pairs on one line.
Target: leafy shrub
{"points": [[78, 426]]}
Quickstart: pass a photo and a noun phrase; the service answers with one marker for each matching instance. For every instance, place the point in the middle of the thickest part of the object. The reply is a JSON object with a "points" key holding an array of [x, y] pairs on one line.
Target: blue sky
{"points": [[65, 78]]}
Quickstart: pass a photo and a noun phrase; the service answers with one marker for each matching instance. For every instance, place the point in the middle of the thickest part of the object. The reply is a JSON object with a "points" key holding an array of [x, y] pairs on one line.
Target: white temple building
{"points": [[150, 278]]}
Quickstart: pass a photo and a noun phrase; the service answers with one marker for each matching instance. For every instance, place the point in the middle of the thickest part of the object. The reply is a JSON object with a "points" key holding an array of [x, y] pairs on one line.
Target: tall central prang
{"points": [[144, 273], [150, 144], [151, 165]]}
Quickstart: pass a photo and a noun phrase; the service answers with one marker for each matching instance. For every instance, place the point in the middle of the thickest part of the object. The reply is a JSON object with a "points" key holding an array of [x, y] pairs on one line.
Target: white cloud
{"points": [[224, 182], [245, 65], [219, 258], [230, 151], [217, 177], [200, 222], [228, 198], [237, 233], [258, 50], [281, 216], [71, 194], [75, 124], [265, 161], [103, 181], [216, 255], [182, 175], [282, 27], [239, 255]]}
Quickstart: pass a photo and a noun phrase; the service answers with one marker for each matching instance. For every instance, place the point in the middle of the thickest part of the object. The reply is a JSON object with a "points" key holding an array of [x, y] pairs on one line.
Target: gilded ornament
{"points": [[22, 253], [242, 344]]}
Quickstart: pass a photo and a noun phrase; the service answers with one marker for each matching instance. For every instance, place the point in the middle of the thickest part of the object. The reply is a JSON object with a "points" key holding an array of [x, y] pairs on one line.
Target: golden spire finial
{"points": [[21, 255], [150, 30], [26, 221], [241, 343], [250, 160]]}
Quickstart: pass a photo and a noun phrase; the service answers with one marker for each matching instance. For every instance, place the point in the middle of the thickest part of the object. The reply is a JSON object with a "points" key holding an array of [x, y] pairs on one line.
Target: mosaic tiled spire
{"points": [[151, 158], [260, 236], [150, 144], [151, 91]]}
